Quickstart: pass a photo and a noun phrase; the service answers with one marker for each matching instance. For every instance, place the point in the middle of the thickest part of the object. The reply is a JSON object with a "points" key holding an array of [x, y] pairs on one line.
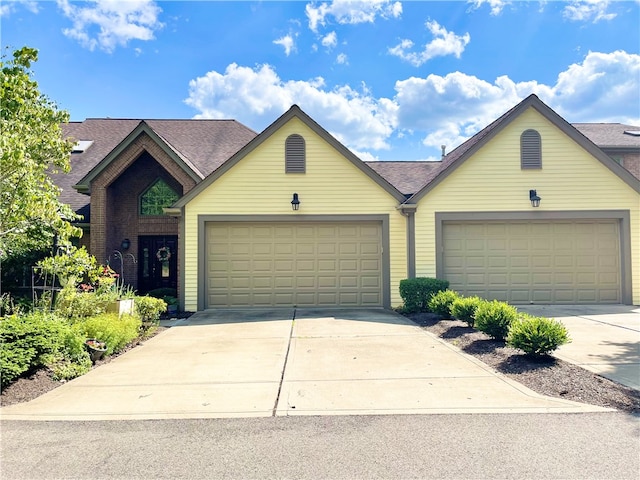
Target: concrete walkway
{"points": [[264, 363], [605, 338]]}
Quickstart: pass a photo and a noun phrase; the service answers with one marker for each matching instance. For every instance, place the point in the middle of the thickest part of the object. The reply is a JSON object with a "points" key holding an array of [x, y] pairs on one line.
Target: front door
{"points": [[158, 265]]}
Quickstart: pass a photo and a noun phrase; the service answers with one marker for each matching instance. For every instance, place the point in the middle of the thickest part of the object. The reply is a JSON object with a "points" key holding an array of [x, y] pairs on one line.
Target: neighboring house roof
{"points": [[611, 135], [473, 144], [203, 145], [293, 112]]}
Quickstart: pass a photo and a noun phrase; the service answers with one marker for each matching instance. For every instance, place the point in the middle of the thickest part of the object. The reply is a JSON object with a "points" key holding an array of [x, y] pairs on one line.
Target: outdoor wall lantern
{"points": [[295, 203], [126, 243], [535, 199]]}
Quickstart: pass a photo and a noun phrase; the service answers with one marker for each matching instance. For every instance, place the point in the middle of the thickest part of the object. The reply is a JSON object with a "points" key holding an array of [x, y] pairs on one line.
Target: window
{"points": [[294, 154], [530, 150], [156, 197]]}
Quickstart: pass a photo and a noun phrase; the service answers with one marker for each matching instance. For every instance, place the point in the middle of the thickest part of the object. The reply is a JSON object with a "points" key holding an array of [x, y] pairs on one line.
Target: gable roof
{"points": [[200, 145], [294, 112], [457, 156]]}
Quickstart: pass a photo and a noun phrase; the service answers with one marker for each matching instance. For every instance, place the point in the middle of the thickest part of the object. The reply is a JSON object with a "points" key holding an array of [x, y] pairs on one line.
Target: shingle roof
{"points": [[610, 135], [206, 144], [408, 177]]}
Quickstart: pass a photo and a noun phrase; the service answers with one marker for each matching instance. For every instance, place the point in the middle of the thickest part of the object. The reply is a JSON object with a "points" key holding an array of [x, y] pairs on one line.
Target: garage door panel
{"points": [[327, 266], [558, 261], [312, 264], [283, 248]]}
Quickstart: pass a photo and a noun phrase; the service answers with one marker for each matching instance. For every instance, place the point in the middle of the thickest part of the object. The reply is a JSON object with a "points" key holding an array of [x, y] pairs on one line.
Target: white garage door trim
{"points": [[203, 220], [622, 216]]}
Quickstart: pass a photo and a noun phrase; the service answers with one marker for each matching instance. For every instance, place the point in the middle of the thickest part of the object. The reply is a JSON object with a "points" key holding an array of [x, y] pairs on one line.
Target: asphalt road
{"points": [[506, 446]]}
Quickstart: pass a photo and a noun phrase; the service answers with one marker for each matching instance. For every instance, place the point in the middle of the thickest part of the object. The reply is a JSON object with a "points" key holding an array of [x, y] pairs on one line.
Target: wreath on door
{"points": [[163, 254]]}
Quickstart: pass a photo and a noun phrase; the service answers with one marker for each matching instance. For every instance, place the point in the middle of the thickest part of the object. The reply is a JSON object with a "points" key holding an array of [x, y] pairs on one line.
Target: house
{"points": [[527, 210], [124, 171]]}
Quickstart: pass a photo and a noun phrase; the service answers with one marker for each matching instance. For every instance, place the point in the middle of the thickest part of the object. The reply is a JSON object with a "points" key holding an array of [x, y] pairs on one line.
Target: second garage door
{"points": [[541, 262], [291, 264]]}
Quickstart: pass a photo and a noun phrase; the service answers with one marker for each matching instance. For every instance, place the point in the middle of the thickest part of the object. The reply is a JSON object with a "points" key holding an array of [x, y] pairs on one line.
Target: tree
{"points": [[31, 147]]}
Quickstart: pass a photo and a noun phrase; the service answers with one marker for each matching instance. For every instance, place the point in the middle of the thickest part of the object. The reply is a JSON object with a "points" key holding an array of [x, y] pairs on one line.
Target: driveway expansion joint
{"points": [[284, 365]]}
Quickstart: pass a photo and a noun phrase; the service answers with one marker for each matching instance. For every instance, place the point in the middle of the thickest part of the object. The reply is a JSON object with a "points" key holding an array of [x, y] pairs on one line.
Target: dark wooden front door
{"points": [[158, 265]]}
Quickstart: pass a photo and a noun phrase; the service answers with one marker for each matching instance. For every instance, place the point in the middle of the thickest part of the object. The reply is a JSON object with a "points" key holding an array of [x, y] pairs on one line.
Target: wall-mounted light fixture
{"points": [[126, 243], [295, 203], [535, 199]]}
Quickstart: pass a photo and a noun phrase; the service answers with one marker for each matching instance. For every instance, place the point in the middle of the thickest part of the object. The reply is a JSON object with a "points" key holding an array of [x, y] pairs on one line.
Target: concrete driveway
{"points": [[231, 363], [605, 338]]}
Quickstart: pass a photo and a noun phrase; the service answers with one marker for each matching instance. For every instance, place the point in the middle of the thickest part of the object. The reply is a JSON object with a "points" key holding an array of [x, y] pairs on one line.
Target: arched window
{"points": [[530, 150], [156, 197], [294, 154]]}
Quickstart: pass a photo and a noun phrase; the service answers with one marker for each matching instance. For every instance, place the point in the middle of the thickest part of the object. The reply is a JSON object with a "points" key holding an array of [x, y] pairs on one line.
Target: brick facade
{"points": [[631, 161], [115, 195]]}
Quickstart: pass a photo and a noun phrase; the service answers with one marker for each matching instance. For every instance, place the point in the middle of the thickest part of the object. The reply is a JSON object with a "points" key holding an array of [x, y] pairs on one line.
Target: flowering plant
{"points": [[96, 344]]}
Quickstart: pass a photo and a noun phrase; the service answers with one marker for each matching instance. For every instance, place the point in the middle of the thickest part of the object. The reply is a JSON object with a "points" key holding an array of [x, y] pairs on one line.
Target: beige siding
{"points": [[492, 181], [258, 185]]}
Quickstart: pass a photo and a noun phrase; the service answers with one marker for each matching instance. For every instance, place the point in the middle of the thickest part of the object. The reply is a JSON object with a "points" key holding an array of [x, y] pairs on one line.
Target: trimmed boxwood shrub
{"points": [[149, 308], [416, 292], [537, 336], [494, 318], [441, 302], [464, 308]]}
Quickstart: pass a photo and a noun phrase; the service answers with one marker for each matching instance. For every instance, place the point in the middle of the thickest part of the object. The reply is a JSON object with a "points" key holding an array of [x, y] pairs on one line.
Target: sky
{"points": [[391, 80]]}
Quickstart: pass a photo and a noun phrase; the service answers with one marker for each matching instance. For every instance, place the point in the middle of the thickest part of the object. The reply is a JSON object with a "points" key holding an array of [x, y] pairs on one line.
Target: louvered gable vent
{"points": [[530, 150], [295, 155]]}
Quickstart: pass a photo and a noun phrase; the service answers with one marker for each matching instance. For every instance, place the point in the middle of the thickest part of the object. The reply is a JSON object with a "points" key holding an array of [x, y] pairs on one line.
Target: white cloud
{"points": [[288, 43], [444, 43], [330, 40], [588, 10], [439, 110], [342, 59], [107, 24], [605, 87], [10, 6], [258, 96], [351, 11], [496, 6]]}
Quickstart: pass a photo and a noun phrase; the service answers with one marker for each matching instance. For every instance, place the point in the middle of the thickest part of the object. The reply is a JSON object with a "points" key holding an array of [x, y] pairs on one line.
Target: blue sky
{"points": [[392, 80]]}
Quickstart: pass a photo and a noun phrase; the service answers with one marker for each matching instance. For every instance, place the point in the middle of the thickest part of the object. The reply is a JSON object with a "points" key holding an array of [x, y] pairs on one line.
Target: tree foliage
{"points": [[31, 147]]}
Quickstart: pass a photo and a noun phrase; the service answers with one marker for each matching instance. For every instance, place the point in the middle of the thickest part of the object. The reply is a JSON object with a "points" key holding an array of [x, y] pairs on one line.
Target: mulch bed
{"points": [[547, 376]]}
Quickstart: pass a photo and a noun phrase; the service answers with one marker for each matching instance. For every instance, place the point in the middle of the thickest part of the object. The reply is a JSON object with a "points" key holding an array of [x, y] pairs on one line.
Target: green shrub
{"points": [[73, 304], [464, 308], [73, 360], [39, 339], [115, 331], [537, 335], [416, 292], [149, 308], [494, 318], [440, 303], [163, 292]]}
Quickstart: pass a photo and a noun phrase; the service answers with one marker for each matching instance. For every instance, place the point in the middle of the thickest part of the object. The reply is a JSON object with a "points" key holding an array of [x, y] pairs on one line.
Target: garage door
{"points": [[294, 264], [541, 262]]}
